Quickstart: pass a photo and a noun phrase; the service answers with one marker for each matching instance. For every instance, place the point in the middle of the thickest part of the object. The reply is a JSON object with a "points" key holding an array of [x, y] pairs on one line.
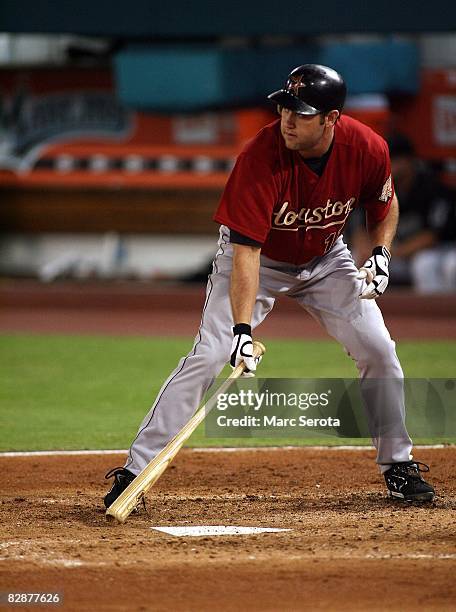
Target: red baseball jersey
{"points": [[273, 197]]}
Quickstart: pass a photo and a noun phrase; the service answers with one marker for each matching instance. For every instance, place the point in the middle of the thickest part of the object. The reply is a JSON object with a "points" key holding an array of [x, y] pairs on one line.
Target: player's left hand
{"points": [[375, 271]]}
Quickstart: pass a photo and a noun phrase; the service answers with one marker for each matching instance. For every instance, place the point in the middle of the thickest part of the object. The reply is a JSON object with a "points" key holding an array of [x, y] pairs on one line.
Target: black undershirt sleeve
{"points": [[237, 238]]}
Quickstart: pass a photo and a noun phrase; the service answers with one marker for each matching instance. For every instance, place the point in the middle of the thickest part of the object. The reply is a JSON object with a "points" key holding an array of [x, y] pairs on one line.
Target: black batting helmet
{"points": [[312, 89]]}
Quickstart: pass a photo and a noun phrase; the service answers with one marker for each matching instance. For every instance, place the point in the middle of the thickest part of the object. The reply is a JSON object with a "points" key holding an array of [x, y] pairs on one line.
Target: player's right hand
{"points": [[242, 349]]}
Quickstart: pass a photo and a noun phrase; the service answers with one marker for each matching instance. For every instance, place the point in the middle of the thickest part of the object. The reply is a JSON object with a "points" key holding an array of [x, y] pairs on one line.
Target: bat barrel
{"points": [[127, 501]]}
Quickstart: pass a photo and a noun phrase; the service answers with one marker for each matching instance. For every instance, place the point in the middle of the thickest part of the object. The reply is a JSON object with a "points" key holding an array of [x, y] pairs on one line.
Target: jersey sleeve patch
{"points": [[387, 190]]}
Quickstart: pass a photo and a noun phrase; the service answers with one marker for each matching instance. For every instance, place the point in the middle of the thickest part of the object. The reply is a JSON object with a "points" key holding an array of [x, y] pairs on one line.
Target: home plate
{"points": [[216, 530]]}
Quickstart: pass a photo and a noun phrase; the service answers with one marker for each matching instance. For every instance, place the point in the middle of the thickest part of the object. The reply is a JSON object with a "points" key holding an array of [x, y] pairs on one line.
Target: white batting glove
{"points": [[242, 349], [375, 271]]}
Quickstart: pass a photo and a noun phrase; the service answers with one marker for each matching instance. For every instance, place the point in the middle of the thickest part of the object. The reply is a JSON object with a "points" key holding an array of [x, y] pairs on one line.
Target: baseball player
{"points": [[282, 215]]}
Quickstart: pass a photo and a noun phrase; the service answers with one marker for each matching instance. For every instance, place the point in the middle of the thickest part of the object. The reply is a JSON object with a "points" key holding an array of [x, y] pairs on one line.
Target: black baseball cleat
{"points": [[405, 482], [122, 479]]}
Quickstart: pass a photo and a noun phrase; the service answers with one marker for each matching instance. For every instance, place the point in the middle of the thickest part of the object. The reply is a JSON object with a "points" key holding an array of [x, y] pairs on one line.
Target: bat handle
{"points": [[258, 349], [127, 500]]}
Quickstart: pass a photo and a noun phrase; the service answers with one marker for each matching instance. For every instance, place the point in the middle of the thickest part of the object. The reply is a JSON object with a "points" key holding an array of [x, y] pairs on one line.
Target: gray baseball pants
{"points": [[328, 289]]}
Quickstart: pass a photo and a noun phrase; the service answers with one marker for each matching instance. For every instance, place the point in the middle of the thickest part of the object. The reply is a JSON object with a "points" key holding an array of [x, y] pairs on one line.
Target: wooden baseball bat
{"points": [[128, 499]]}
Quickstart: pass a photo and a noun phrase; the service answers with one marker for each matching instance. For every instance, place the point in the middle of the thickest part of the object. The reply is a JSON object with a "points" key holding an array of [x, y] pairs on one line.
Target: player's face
{"points": [[305, 132]]}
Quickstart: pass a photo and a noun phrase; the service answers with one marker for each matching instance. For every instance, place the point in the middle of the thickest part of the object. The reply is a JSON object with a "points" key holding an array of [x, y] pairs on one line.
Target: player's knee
{"points": [[379, 357], [210, 358]]}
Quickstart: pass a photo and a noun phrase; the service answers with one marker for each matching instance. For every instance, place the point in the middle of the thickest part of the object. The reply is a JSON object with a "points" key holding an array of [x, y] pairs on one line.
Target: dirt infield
{"points": [[349, 547]]}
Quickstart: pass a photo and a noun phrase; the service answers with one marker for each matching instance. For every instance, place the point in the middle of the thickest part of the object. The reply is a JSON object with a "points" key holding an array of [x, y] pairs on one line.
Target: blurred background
{"points": [[119, 125]]}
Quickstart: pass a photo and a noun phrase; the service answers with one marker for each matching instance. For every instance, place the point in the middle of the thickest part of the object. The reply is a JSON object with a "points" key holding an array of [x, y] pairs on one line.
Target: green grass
{"points": [[77, 392]]}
